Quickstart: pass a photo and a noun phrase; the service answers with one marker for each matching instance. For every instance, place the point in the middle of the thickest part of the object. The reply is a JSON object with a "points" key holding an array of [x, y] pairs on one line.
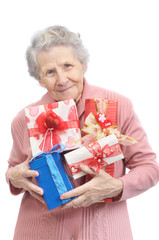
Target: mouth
{"points": [[64, 89]]}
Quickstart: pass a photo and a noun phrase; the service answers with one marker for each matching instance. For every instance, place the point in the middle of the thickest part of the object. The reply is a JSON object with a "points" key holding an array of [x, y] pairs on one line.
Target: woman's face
{"points": [[61, 73]]}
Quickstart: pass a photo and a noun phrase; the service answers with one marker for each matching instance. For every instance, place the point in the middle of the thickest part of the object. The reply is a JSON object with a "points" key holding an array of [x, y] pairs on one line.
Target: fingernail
{"points": [[41, 192], [36, 174], [62, 196]]}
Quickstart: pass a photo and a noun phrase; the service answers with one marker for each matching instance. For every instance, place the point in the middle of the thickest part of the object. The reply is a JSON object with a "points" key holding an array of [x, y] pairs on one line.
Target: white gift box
{"points": [[53, 123], [107, 147]]}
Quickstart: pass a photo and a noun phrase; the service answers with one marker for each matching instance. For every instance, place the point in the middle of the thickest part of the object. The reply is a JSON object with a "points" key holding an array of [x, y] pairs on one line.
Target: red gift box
{"points": [[109, 109], [101, 121]]}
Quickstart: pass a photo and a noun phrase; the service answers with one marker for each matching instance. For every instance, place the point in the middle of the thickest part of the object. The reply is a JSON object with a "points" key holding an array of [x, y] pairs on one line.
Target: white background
{"points": [[123, 40]]}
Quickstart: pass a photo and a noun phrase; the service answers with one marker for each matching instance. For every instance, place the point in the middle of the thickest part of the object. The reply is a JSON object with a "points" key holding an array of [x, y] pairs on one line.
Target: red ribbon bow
{"points": [[48, 124], [97, 161], [99, 155]]}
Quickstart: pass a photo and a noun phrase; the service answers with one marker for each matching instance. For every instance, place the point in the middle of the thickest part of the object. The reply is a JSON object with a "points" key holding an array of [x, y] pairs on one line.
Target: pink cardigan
{"points": [[101, 221]]}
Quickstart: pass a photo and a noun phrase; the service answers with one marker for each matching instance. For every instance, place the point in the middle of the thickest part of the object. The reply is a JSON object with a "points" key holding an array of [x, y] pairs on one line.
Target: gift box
{"points": [[100, 154], [105, 109], [53, 123], [52, 176], [101, 121]]}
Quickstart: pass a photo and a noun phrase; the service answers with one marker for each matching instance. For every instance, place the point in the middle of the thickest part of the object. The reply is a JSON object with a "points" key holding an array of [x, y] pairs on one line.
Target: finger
{"points": [[75, 192], [33, 187], [87, 170], [28, 158], [81, 201], [30, 173], [38, 197], [26, 163], [70, 204]]}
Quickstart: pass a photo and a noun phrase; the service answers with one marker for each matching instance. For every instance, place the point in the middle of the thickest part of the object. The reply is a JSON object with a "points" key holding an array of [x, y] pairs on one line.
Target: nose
{"points": [[61, 77]]}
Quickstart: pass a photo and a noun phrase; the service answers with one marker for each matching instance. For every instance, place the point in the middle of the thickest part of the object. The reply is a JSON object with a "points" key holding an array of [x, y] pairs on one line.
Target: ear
{"points": [[84, 68]]}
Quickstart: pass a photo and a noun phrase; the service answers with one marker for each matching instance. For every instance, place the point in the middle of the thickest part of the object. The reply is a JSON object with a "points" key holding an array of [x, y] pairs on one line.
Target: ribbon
{"points": [[56, 176], [58, 148], [48, 124], [54, 171], [97, 129], [98, 159], [101, 122]]}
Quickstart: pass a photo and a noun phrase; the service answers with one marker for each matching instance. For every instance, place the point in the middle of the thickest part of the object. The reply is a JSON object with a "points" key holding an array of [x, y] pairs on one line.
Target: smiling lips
{"points": [[65, 89]]}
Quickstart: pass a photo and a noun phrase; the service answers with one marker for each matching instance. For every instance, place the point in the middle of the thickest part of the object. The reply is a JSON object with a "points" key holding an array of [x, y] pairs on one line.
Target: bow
{"points": [[97, 127], [98, 160], [58, 148], [48, 124]]}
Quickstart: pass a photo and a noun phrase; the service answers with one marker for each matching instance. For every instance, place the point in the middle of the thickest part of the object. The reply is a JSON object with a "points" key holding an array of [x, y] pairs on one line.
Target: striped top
{"points": [[100, 221]]}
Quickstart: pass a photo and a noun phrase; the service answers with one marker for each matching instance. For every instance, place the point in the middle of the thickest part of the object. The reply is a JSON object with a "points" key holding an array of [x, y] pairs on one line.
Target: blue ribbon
{"points": [[59, 147], [56, 176]]}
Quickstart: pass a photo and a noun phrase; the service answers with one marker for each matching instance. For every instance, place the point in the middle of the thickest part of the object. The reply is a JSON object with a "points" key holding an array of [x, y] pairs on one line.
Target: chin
{"points": [[71, 96], [61, 97]]}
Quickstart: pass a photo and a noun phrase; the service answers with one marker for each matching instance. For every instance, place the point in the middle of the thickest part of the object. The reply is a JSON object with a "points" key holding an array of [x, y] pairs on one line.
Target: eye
{"points": [[50, 72], [67, 65]]}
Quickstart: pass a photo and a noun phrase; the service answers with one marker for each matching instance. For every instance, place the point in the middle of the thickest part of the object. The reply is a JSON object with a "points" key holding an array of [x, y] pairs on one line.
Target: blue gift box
{"points": [[52, 177]]}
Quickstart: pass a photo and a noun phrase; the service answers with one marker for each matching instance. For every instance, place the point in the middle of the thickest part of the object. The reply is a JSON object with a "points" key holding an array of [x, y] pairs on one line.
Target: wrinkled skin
{"points": [[101, 186]]}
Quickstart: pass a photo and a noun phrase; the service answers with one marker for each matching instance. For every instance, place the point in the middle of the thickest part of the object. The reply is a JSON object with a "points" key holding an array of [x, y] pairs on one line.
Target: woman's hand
{"points": [[20, 177], [101, 186]]}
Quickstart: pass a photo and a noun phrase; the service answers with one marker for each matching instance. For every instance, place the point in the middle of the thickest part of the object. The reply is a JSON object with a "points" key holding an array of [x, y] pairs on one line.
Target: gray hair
{"points": [[54, 36]]}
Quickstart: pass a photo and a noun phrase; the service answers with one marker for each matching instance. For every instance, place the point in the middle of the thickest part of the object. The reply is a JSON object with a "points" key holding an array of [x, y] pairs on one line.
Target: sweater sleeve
{"points": [[140, 159], [19, 151]]}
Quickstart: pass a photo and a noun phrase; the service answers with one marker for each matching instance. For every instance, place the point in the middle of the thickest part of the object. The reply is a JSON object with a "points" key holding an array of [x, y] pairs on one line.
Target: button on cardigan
{"points": [[100, 221]]}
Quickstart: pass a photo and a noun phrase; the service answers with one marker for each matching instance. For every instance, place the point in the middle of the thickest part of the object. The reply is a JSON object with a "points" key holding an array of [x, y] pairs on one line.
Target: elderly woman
{"points": [[58, 60]]}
